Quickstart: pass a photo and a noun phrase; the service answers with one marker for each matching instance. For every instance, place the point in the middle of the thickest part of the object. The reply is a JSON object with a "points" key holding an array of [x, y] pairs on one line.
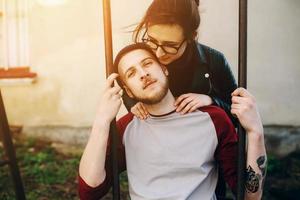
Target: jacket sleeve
{"points": [[223, 83]]}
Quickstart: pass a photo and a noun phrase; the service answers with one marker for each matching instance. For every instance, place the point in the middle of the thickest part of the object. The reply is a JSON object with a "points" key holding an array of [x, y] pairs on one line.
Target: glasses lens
{"points": [[171, 50], [165, 48], [151, 44]]}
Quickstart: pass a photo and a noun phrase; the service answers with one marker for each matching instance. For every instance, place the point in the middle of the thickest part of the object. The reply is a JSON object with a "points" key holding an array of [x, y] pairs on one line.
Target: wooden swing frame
{"points": [[242, 82]]}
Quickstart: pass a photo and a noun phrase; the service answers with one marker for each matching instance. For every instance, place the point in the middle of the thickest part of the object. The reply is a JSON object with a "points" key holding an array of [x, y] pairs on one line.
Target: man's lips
{"points": [[148, 83]]}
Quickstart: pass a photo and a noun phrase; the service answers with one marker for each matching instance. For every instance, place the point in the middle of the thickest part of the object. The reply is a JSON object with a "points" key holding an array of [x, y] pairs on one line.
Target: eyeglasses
{"points": [[166, 48]]}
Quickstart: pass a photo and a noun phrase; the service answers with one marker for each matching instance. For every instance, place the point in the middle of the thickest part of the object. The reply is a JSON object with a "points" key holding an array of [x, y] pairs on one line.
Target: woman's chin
{"points": [[165, 61]]}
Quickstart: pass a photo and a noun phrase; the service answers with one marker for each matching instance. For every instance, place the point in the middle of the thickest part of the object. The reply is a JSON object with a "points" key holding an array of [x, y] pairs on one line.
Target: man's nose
{"points": [[143, 74], [160, 52]]}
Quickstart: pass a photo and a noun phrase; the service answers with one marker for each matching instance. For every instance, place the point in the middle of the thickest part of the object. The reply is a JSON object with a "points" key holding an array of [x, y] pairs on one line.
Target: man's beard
{"points": [[156, 98]]}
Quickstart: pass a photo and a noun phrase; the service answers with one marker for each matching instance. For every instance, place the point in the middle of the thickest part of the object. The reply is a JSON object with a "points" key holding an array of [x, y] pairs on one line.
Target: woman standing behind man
{"points": [[198, 75]]}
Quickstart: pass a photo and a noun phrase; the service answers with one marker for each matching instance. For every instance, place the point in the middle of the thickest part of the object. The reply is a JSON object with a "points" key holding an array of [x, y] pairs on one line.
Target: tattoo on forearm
{"points": [[262, 165], [253, 179]]}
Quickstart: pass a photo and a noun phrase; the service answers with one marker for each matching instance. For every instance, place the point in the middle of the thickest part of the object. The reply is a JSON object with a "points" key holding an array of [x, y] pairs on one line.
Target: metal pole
{"points": [[10, 152], [113, 127], [242, 82]]}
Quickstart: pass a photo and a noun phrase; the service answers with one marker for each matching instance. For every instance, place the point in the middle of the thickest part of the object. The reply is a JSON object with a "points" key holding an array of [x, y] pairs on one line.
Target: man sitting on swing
{"points": [[168, 156]]}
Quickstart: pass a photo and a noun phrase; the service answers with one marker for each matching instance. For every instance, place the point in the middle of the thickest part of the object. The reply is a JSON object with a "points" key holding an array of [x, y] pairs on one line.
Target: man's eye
{"points": [[148, 63], [130, 74]]}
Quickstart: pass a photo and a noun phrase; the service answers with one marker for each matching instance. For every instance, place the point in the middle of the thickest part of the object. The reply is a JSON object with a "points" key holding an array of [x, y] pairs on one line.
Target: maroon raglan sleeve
{"points": [[87, 192], [226, 152]]}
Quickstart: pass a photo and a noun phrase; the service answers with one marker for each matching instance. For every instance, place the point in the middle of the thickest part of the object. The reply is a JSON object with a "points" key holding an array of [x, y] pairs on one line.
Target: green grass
{"points": [[283, 177], [46, 173]]}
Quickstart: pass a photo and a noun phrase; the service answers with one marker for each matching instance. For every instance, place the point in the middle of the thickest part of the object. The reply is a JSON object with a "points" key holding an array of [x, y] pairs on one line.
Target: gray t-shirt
{"points": [[171, 157]]}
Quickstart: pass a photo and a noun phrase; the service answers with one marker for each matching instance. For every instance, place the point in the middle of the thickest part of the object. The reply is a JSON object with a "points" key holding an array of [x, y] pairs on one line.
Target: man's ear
{"points": [[165, 70], [128, 91]]}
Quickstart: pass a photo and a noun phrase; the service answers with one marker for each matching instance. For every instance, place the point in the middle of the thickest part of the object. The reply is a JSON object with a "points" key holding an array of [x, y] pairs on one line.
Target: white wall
{"points": [[274, 50], [67, 52]]}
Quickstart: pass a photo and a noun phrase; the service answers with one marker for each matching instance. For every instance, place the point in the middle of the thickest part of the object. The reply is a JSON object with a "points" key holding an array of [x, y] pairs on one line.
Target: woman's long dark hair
{"points": [[184, 13]]}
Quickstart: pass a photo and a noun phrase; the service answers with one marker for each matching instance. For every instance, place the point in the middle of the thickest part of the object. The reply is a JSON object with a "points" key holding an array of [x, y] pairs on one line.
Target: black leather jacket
{"points": [[202, 70]]}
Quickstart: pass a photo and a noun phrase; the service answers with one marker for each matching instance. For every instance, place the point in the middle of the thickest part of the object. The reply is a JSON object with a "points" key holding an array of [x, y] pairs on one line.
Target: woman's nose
{"points": [[159, 52]]}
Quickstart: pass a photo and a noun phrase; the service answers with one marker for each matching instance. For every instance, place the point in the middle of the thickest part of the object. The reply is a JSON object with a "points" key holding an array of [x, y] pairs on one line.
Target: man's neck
{"points": [[166, 105]]}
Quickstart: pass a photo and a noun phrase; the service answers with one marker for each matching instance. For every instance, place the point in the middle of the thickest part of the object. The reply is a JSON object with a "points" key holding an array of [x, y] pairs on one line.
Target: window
{"points": [[14, 40]]}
